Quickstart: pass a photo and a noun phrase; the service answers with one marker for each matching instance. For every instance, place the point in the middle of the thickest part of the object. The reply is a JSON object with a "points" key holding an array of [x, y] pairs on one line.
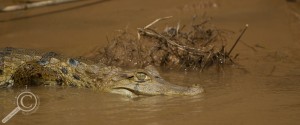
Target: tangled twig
{"points": [[198, 47]]}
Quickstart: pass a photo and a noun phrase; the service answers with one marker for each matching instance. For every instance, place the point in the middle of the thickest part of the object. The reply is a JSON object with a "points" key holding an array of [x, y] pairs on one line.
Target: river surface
{"points": [[263, 90]]}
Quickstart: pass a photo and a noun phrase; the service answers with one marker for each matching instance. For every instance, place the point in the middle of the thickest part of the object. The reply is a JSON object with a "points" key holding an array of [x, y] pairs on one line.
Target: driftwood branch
{"points": [[157, 20], [198, 47], [34, 5], [149, 25], [150, 32], [238, 39]]}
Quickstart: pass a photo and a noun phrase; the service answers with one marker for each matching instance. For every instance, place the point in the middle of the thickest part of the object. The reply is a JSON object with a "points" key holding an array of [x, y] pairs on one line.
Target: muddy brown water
{"points": [[265, 92]]}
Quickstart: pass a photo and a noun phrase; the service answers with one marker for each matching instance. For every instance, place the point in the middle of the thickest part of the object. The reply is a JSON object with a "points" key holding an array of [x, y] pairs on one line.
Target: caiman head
{"points": [[148, 82]]}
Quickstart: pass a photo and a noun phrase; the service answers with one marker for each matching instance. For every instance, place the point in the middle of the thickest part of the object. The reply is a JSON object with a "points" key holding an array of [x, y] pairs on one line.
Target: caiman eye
{"points": [[142, 76]]}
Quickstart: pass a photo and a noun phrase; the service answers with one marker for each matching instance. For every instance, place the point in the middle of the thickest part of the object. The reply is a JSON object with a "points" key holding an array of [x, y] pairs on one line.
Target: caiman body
{"points": [[20, 67]]}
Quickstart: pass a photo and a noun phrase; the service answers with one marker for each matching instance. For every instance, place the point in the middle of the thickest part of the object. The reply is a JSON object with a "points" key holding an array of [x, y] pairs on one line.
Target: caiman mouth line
{"points": [[132, 91]]}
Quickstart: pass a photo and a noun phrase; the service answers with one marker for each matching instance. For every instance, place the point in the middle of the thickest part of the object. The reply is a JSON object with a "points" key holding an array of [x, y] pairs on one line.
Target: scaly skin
{"points": [[20, 67]]}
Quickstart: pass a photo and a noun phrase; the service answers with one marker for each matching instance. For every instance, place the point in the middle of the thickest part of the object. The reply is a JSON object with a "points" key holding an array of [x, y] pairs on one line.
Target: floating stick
{"points": [[33, 5], [155, 21], [238, 39]]}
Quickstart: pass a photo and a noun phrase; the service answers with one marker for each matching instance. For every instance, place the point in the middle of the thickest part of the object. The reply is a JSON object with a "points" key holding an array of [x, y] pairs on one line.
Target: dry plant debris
{"points": [[197, 47]]}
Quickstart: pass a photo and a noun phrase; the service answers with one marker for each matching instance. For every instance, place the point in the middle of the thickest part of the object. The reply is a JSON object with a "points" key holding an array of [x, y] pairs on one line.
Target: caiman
{"points": [[20, 67]]}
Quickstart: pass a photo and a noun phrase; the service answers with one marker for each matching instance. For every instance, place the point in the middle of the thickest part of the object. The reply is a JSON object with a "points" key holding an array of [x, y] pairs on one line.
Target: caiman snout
{"points": [[148, 82], [166, 89], [181, 90]]}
